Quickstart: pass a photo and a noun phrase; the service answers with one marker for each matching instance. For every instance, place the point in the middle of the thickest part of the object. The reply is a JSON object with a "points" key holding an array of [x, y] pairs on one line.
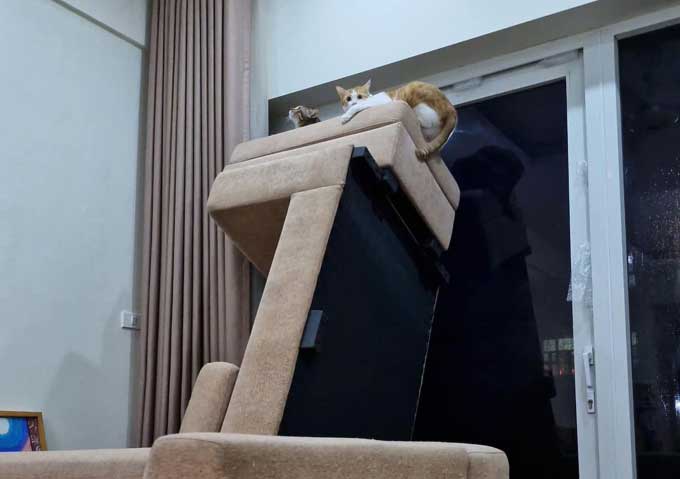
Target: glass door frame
{"points": [[569, 68]]}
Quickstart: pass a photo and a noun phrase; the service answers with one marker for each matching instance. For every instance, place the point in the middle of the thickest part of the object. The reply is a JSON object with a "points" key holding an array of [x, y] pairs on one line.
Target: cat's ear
{"points": [[367, 85], [341, 91]]}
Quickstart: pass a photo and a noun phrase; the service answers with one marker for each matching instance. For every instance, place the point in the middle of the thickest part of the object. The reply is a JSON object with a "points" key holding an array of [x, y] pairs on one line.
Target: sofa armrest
{"points": [[85, 464], [209, 398], [241, 456]]}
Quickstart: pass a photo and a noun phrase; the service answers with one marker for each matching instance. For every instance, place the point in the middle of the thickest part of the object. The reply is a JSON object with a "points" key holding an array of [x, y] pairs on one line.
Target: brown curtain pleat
{"points": [[195, 283]]}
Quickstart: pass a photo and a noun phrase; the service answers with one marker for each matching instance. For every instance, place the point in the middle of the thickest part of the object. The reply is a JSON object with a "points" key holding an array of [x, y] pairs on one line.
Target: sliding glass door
{"points": [[515, 326], [567, 335]]}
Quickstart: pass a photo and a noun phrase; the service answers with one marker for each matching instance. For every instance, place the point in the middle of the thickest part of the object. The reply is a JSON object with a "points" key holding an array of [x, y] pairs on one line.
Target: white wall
{"points": [[310, 42], [259, 83], [127, 17], [70, 99]]}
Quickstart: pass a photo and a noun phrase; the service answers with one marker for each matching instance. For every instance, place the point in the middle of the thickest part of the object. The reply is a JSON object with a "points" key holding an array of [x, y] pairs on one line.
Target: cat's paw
{"points": [[346, 117], [423, 153]]}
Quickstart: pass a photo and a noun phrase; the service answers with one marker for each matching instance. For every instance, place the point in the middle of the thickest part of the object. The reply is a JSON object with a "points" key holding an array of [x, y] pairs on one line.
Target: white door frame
{"points": [[609, 452], [609, 269]]}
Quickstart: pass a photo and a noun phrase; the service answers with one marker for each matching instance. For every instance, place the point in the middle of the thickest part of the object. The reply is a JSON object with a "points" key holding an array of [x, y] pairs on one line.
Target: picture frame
{"points": [[22, 431]]}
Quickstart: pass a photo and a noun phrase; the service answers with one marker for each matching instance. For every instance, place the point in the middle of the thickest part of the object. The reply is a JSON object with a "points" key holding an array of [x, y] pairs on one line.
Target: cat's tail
{"points": [[438, 141]]}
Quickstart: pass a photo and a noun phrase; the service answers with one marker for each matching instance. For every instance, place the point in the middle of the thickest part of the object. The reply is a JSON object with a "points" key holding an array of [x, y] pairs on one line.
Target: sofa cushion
{"points": [[266, 373], [274, 176], [209, 398], [376, 117], [239, 456], [84, 464], [250, 200], [370, 119]]}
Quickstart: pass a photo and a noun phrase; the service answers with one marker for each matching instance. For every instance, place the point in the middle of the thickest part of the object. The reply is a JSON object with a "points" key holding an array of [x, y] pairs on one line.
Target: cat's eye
{"points": [[349, 98], [359, 97]]}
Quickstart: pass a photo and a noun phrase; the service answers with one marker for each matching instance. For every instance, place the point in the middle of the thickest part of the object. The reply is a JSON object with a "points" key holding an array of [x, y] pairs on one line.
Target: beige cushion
{"points": [[441, 172], [209, 398], [373, 118], [258, 188], [88, 464], [262, 386], [395, 112], [250, 201], [485, 462], [236, 456]]}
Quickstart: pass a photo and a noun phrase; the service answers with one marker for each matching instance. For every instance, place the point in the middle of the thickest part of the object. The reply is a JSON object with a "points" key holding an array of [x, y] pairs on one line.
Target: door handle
{"points": [[588, 363]]}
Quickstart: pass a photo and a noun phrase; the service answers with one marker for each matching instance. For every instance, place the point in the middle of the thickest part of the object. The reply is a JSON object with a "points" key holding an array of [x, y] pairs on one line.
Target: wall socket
{"points": [[129, 320]]}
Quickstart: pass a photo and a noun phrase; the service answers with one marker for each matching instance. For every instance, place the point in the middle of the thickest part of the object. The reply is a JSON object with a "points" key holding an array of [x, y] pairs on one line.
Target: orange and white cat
{"points": [[436, 114]]}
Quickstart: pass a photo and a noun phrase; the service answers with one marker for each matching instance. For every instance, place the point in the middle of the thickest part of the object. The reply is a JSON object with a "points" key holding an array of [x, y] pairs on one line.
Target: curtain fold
{"points": [[195, 284]]}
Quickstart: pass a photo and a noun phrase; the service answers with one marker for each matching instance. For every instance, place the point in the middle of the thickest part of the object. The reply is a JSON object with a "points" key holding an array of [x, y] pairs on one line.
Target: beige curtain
{"points": [[195, 284]]}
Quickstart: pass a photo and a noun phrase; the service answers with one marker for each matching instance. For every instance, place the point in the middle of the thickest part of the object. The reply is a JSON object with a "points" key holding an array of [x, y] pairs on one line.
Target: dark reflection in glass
{"points": [[500, 368], [649, 71]]}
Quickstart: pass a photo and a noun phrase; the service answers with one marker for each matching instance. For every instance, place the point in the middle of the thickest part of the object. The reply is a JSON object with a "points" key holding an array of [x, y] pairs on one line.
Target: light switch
{"points": [[129, 320]]}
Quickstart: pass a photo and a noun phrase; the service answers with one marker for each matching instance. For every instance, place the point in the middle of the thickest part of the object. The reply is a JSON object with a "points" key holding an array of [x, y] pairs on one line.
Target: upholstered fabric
{"points": [[257, 189], [266, 373], [396, 112], [373, 118], [237, 456], [423, 190], [485, 462], [88, 464], [441, 172], [256, 228], [380, 141], [392, 147], [260, 181], [249, 201], [209, 398]]}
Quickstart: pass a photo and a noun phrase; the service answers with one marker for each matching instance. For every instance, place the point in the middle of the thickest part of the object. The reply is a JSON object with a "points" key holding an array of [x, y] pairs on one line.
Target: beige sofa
{"points": [[277, 200]]}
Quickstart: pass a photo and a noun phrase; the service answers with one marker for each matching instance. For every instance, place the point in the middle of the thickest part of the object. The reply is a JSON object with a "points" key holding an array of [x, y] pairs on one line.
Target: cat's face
{"points": [[350, 97], [302, 115]]}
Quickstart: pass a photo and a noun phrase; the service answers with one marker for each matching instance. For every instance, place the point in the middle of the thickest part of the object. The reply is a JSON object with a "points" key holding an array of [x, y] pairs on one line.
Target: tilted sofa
{"points": [[325, 204]]}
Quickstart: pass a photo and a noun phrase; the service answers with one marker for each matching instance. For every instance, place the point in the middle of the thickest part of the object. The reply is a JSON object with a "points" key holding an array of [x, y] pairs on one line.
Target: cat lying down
{"points": [[436, 114]]}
